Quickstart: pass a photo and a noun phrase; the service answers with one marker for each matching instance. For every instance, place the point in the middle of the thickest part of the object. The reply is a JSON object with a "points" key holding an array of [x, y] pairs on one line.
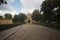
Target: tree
{"points": [[19, 18], [22, 17], [1, 17], [51, 10], [3, 2], [8, 16], [36, 16], [15, 19]]}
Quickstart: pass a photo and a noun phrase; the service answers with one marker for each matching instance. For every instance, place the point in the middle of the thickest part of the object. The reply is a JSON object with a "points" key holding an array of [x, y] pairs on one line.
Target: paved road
{"points": [[6, 33], [35, 32]]}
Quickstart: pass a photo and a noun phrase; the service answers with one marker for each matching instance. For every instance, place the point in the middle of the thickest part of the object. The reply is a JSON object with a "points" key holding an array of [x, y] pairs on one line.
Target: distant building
{"points": [[29, 19], [5, 21]]}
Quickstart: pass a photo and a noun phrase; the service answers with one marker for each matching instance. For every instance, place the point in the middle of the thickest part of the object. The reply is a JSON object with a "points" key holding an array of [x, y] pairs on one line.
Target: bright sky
{"points": [[20, 6]]}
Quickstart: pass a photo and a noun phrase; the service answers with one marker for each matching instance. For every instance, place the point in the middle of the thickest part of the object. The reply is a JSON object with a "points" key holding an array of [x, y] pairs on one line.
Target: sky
{"points": [[20, 6]]}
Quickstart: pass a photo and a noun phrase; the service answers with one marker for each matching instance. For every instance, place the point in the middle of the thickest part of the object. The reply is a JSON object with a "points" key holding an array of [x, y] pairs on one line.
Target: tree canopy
{"points": [[3, 2], [8, 16], [36, 15], [1, 17], [51, 10], [19, 18]]}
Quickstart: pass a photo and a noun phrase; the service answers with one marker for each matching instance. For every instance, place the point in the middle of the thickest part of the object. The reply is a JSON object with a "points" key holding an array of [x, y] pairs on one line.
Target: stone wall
{"points": [[6, 22]]}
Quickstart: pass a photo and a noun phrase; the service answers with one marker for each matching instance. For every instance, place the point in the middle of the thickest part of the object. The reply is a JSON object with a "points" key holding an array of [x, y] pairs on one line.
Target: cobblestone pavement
{"points": [[34, 32]]}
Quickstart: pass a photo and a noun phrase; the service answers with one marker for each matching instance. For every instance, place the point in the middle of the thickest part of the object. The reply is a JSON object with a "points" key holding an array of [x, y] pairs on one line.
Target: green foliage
{"points": [[8, 16], [1, 17], [22, 16], [19, 18], [3, 2], [36, 16], [49, 12], [7, 26], [15, 19]]}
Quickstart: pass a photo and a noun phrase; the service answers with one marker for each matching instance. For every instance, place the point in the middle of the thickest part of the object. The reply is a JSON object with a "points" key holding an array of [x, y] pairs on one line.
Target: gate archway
{"points": [[29, 21]]}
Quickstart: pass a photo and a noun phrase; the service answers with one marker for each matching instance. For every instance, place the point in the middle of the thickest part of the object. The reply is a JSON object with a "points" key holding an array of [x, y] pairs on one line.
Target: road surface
{"points": [[35, 32], [6, 33]]}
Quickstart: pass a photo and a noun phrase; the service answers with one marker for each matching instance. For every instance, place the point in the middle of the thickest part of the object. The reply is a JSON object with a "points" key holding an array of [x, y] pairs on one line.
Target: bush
{"points": [[51, 25], [6, 26]]}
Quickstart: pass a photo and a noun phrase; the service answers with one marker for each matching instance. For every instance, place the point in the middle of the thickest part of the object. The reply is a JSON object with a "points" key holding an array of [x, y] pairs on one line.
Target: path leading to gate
{"points": [[35, 32]]}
